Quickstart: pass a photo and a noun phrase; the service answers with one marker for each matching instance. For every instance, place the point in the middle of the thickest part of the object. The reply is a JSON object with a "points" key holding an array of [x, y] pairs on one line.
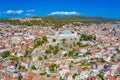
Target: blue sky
{"points": [[22, 8]]}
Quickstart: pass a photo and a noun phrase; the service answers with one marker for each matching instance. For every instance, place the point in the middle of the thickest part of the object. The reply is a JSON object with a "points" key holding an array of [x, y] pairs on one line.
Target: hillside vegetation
{"points": [[58, 21]]}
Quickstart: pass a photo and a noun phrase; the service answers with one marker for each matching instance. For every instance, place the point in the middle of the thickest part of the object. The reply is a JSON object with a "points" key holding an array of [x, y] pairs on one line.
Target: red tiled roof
{"points": [[24, 61], [67, 74], [31, 44], [1, 66], [8, 79], [31, 75], [111, 77], [119, 68], [60, 68], [22, 70], [114, 63], [99, 63], [11, 64]]}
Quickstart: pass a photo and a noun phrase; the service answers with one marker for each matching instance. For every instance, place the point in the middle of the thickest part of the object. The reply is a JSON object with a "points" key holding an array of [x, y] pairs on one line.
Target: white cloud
{"points": [[19, 11], [10, 11], [64, 13], [31, 10], [29, 14], [14, 12]]}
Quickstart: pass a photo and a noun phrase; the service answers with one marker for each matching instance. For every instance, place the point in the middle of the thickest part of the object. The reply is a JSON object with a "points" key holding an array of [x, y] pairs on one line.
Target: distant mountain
{"points": [[70, 19], [59, 21]]}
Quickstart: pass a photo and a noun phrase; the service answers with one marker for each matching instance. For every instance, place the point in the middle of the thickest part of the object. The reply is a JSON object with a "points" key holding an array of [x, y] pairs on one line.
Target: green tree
{"points": [[6, 54], [15, 59], [48, 75], [23, 67], [51, 47], [52, 67], [40, 58], [63, 39], [38, 42], [103, 61], [43, 73], [65, 55], [48, 51], [33, 67], [56, 50], [100, 75], [71, 53], [45, 57], [105, 66], [74, 75], [26, 53], [61, 78], [78, 43], [88, 53], [94, 37], [44, 38], [20, 77], [54, 40], [118, 50], [87, 37]]}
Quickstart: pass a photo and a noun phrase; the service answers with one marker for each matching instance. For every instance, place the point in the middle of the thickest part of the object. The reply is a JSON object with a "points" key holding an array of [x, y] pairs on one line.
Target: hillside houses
{"points": [[45, 53]]}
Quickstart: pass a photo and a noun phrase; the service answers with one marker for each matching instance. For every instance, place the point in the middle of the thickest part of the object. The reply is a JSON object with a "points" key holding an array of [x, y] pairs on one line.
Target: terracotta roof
{"points": [[15, 78], [81, 70], [54, 77], [68, 74], [99, 63], [31, 75], [21, 52], [24, 48], [114, 63], [8, 79], [60, 68], [24, 41], [119, 68], [1, 66], [31, 44], [24, 61], [11, 64], [111, 77], [22, 70], [18, 45]]}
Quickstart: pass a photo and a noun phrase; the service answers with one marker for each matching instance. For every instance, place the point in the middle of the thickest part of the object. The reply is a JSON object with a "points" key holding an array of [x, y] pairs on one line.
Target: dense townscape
{"points": [[71, 52]]}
